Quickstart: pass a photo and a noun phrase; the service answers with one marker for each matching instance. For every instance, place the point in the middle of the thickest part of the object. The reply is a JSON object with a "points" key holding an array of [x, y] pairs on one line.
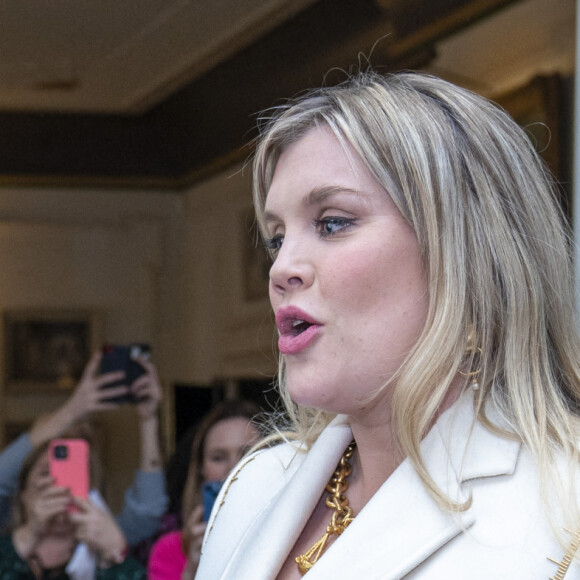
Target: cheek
{"points": [[382, 274], [379, 308], [351, 282]]}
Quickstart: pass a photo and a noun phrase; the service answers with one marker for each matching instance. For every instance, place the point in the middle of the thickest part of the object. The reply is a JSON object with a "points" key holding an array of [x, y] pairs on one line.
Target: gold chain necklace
{"points": [[336, 500]]}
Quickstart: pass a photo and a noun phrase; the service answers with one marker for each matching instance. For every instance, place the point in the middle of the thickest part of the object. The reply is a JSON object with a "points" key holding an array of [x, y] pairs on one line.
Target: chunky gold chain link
{"points": [[337, 501]]}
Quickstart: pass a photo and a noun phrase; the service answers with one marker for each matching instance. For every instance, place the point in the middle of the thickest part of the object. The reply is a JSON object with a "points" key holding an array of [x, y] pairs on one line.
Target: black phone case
{"points": [[118, 358]]}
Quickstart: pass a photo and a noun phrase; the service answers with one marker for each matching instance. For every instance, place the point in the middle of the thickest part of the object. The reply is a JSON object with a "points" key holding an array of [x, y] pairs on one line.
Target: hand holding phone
{"points": [[124, 358], [68, 461], [96, 527]]}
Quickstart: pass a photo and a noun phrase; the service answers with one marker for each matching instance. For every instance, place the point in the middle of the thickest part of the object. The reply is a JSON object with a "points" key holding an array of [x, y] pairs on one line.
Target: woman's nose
{"points": [[292, 268]]}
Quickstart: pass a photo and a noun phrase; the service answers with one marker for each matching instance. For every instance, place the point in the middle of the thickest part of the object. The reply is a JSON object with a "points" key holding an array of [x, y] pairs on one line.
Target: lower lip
{"points": [[293, 344]]}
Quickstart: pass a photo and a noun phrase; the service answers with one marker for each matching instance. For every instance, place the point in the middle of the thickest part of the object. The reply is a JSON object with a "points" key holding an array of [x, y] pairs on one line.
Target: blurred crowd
{"points": [[49, 532]]}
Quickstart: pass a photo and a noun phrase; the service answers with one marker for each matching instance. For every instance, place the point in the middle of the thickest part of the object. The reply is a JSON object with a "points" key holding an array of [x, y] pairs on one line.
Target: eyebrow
{"points": [[317, 196]]}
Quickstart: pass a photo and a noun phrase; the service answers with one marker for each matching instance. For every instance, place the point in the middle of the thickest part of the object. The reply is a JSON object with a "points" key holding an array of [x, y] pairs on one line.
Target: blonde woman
{"points": [[423, 294]]}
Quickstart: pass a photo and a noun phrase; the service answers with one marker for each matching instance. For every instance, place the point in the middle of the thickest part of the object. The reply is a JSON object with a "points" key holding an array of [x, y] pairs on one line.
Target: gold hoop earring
{"points": [[474, 383], [473, 375]]}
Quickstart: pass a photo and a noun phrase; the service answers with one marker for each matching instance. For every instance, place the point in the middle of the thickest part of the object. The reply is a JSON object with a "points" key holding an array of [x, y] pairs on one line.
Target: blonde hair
{"points": [[495, 247]]}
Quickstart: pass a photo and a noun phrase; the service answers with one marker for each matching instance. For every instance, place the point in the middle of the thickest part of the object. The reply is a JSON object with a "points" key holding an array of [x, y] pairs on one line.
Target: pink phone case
{"points": [[69, 465]]}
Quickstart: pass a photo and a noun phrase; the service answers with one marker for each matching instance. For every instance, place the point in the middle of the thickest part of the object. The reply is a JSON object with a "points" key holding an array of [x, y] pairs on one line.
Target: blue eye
{"points": [[274, 243], [329, 226]]}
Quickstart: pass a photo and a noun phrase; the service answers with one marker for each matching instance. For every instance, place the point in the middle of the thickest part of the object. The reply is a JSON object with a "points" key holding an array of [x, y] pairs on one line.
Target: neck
{"points": [[377, 455], [378, 452]]}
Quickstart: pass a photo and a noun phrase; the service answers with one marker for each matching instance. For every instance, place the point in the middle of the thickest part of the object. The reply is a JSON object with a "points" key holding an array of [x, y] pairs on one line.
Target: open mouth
{"points": [[293, 326], [297, 330], [298, 327]]}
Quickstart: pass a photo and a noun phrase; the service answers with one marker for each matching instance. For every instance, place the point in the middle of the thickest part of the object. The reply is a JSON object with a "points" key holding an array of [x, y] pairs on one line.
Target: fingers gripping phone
{"points": [[123, 358], [68, 461]]}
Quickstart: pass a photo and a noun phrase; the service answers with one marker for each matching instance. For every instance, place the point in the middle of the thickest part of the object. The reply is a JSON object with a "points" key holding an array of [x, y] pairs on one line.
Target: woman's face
{"points": [[347, 285], [225, 444]]}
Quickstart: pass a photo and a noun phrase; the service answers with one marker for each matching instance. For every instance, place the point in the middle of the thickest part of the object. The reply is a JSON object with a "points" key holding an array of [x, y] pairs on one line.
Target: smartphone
{"points": [[69, 465], [123, 358], [209, 491]]}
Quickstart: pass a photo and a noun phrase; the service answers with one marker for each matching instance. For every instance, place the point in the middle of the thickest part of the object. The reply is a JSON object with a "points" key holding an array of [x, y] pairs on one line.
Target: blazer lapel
{"points": [[402, 526], [399, 527], [473, 451], [265, 546]]}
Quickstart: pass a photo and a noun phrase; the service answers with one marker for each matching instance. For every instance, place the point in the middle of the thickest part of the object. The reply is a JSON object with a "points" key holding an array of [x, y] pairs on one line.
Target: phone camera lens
{"points": [[60, 452]]}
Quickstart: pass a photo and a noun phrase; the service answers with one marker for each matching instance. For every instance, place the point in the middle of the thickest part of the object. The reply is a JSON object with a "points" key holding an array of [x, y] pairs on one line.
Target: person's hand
{"points": [[43, 502], [194, 530], [97, 528], [147, 390], [89, 396]]}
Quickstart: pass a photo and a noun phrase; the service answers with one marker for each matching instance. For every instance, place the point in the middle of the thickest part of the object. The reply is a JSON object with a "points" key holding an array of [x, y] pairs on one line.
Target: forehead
{"points": [[322, 140], [318, 153], [315, 168], [229, 432]]}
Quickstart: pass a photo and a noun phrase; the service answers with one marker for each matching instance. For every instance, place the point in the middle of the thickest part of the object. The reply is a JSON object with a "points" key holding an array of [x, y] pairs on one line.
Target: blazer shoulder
{"points": [[250, 489], [255, 480]]}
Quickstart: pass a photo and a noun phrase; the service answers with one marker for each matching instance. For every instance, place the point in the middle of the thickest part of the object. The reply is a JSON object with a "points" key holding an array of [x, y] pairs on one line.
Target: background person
{"points": [[46, 535], [146, 500], [423, 293], [221, 439]]}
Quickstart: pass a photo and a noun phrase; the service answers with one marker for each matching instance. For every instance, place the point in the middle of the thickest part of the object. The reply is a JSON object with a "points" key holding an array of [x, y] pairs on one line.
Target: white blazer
{"points": [[401, 532]]}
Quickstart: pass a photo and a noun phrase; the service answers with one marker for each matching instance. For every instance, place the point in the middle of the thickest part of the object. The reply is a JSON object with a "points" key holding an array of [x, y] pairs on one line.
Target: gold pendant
{"points": [[306, 561]]}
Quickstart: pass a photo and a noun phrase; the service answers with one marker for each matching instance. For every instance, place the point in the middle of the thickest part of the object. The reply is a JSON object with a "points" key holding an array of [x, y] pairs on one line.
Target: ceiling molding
{"points": [[207, 124]]}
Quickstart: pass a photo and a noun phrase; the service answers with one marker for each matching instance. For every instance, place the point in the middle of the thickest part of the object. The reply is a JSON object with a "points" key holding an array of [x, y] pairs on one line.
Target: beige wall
{"points": [[160, 267]]}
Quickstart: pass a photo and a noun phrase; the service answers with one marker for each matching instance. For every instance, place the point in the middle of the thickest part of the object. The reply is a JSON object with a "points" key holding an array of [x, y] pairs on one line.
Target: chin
{"points": [[306, 397]]}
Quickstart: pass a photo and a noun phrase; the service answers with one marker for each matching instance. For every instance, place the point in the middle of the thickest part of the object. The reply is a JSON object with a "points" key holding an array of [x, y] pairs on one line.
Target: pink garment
{"points": [[166, 559]]}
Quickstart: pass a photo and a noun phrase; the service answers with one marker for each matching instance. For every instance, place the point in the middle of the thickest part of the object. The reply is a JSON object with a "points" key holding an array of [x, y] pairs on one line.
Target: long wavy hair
{"points": [[495, 246]]}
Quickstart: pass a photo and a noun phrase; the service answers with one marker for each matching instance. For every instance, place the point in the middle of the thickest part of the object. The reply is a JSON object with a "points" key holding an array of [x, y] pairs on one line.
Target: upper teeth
{"points": [[297, 323]]}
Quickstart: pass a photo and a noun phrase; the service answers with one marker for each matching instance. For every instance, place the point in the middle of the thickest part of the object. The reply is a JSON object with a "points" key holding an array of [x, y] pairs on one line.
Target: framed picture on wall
{"points": [[46, 350]]}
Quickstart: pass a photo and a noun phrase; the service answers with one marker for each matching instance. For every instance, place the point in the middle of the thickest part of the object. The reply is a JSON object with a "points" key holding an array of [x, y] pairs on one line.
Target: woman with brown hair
{"points": [[223, 436]]}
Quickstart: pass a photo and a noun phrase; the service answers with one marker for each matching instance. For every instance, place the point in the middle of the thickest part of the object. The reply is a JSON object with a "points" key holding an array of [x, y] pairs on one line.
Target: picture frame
{"points": [[46, 350]]}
